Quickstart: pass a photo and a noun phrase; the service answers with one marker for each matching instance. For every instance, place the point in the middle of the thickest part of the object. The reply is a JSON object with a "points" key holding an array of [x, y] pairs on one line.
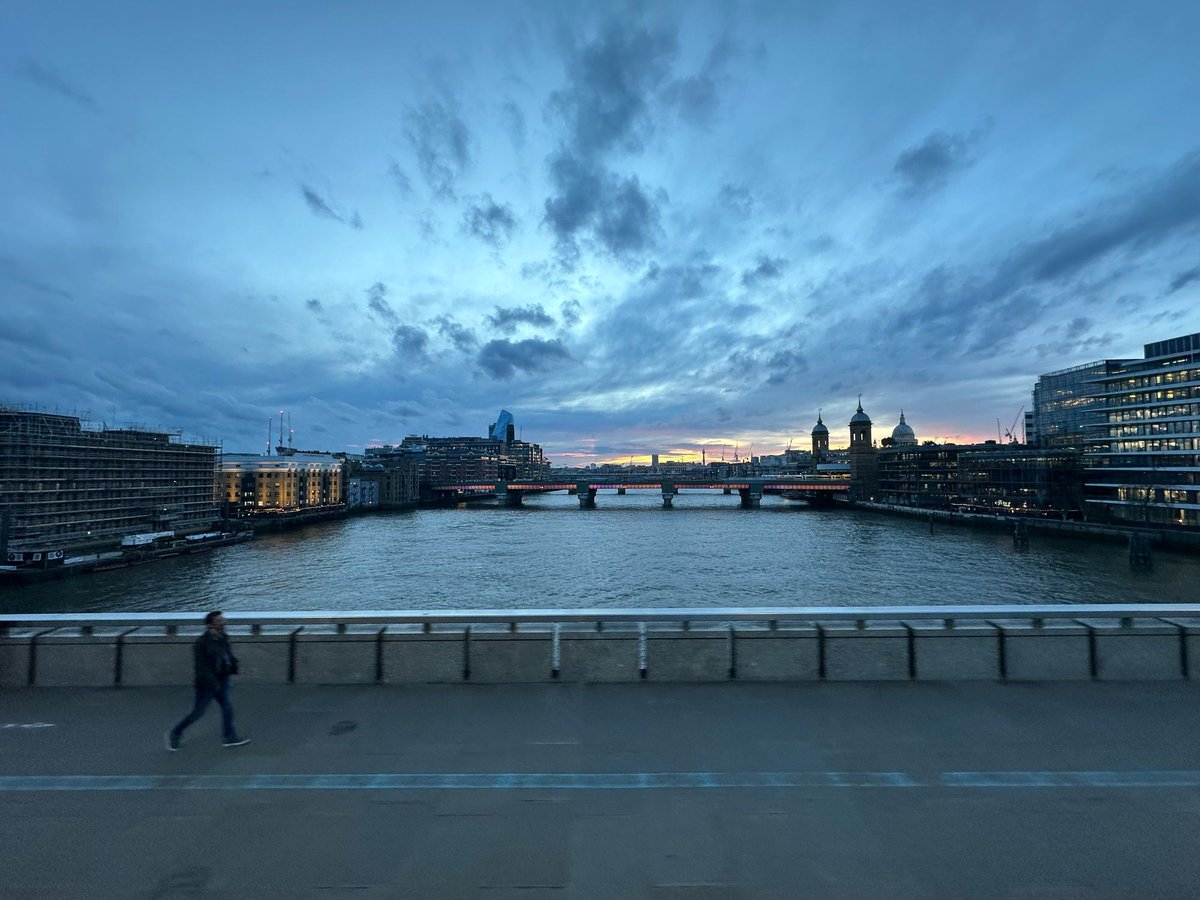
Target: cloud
{"points": [[442, 143], [570, 311], [400, 178], [45, 76], [502, 359], [491, 222], [507, 319], [314, 305], [985, 307], [615, 210], [696, 96], [514, 123], [605, 107], [321, 208], [459, 335], [768, 269], [927, 166], [410, 342], [1183, 279], [377, 302]]}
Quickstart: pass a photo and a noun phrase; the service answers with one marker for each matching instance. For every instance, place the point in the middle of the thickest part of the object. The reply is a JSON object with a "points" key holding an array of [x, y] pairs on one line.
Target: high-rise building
{"points": [[64, 486], [1065, 409], [1143, 457]]}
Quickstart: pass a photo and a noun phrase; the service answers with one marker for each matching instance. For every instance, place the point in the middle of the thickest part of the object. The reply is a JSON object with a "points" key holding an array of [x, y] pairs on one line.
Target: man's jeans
{"points": [[204, 696]]}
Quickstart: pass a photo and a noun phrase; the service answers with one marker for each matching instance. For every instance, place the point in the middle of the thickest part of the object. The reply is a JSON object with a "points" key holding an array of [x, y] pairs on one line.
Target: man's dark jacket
{"points": [[215, 662]]}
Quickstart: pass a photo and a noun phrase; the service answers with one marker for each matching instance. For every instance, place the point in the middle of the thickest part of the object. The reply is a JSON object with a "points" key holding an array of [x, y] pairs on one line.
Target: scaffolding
{"points": [[64, 486]]}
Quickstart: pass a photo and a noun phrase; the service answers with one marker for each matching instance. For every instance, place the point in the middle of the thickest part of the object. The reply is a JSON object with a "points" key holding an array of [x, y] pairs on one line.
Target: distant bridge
{"points": [[816, 491]]}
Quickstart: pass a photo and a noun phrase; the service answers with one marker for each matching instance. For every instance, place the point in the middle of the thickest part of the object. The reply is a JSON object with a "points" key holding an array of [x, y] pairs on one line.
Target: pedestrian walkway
{"points": [[608, 791]]}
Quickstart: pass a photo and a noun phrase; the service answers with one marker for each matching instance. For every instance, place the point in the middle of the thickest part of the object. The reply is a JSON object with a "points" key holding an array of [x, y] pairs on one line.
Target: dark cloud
{"points": [[377, 302], [927, 166], [321, 208], [611, 82], [47, 77], [442, 143], [615, 210], [314, 305], [400, 179], [491, 222], [785, 365], [502, 359], [570, 312], [410, 342], [1183, 279], [606, 108], [767, 269], [507, 319], [462, 337]]}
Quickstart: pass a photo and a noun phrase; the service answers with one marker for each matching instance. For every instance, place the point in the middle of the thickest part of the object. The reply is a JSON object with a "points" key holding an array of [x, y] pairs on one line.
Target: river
{"points": [[627, 552]]}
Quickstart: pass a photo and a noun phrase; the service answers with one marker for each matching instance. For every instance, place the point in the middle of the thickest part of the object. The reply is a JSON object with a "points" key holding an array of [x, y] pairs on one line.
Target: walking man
{"points": [[215, 662]]}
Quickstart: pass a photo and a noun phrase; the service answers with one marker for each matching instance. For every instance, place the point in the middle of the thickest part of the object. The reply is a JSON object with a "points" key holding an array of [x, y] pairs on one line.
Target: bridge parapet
{"points": [[946, 643]]}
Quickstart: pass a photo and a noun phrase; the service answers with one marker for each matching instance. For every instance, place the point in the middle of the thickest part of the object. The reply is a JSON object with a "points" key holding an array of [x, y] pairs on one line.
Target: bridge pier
{"points": [[587, 496], [751, 497], [728, 491], [668, 494], [620, 491], [511, 498]]}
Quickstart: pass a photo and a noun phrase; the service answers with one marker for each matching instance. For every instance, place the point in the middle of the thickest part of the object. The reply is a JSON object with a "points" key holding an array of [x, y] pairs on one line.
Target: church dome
{"points": [[860, 417], [820, 428], [902, 434]]}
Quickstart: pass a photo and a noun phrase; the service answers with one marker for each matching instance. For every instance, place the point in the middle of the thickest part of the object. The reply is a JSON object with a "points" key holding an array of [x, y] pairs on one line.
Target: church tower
{"points": [[862, 456], [820, 441]]}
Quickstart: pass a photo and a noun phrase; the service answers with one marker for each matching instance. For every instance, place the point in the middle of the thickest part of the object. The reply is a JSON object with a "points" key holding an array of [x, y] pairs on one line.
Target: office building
{"points": [[1143, 459], [254, 485]]}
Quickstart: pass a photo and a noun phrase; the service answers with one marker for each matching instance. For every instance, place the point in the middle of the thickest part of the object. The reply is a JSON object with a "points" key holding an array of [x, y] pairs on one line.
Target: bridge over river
{"points": [[817, 491]]}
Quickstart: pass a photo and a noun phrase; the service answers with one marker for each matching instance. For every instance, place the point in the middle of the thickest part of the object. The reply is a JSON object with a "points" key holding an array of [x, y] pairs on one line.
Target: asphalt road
{"points": [[607, 791]]}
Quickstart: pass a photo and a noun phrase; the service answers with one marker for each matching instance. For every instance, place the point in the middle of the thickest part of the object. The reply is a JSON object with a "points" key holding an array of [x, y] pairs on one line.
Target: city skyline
{"points": [[639, 231]]}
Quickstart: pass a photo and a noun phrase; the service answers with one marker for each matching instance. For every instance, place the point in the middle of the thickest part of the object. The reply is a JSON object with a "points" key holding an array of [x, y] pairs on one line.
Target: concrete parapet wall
{"points": [[1104, 649], [324, 655], [496, 655], [965, 652], [1053, 651], [787, 653], [699, 654], [876, 651], [413, 656], [599, 656]]}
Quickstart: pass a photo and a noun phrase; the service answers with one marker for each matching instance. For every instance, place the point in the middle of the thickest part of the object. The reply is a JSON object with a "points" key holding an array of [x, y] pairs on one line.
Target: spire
{"points": [[860, 402], [901, 417], [819, 422]]}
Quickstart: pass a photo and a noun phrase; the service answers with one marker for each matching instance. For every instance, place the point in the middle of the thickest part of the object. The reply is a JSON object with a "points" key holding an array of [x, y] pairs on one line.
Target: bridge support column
{"points": [[668, 494], [620, 491], [511, 498], [728, 491], [751, 497], [587, 496]]}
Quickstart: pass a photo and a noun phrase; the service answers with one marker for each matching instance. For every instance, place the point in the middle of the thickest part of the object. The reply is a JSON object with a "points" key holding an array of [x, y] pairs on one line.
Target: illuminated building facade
{"points": [[1143, 458], [267, 485], [1066, 409]]}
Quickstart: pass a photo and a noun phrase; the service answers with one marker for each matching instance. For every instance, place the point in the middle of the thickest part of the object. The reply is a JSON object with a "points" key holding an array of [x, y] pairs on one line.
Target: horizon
{"points": [[641, 231]]}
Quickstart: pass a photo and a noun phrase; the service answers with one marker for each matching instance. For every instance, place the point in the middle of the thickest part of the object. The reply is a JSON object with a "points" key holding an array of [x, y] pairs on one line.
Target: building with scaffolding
{"points": [[66, 485]]}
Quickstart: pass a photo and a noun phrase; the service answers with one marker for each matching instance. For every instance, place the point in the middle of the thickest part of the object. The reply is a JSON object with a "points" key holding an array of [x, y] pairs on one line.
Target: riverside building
{"points": [[255, 485], [1143, 458], [67, 486]]}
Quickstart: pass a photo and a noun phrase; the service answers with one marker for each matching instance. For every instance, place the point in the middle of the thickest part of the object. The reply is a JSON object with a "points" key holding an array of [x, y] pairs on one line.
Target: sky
{"points": [[641, 228]]}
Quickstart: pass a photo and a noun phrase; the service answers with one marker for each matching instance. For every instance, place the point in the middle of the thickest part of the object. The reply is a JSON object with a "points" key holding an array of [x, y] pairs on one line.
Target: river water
{"points": [[627, 552]]}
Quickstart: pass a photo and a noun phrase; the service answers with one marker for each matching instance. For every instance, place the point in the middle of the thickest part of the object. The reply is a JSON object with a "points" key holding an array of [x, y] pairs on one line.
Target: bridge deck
{"points": [[655, 791]]}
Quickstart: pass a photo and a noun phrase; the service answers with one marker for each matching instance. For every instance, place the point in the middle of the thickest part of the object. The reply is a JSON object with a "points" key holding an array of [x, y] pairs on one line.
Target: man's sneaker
{"points": [[171, 741], [236, 742]]}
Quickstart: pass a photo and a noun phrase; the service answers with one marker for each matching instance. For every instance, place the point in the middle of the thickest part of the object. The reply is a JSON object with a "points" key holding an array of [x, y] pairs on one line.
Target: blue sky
{"points": [[639, 229]]}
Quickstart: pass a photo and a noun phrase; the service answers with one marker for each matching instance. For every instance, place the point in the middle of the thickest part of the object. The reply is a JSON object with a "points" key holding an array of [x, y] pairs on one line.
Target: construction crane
{"points": [[1010, 432]]}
